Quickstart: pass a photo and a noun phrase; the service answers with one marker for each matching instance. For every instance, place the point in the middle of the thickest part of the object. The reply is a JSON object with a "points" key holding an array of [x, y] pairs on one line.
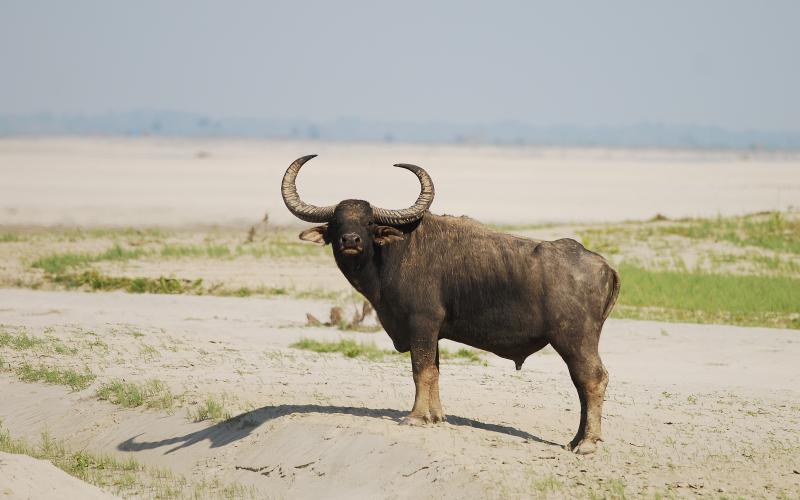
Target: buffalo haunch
{"points": [[432, 277]]}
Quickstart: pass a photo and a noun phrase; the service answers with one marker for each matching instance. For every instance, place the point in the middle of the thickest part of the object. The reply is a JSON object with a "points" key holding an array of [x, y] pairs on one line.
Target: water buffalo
{"points": [[432, 277]]}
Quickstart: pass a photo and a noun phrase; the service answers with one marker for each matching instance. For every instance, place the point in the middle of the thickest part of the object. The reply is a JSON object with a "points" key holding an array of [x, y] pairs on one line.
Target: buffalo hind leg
{"points": [[590, 378], [425, 367]]}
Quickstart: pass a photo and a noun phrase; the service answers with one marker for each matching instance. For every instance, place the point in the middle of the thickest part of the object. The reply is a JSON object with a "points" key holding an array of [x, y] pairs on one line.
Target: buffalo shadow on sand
{"points": [[240, 426]]}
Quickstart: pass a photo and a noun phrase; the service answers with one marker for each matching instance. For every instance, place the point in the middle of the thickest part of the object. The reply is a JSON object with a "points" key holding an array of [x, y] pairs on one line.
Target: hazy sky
{"points": [[728, 63]]}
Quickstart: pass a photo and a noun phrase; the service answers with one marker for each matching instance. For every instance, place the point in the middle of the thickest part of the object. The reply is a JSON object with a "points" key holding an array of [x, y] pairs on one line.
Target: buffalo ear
{"points": [[317, 234], [386, 234]]}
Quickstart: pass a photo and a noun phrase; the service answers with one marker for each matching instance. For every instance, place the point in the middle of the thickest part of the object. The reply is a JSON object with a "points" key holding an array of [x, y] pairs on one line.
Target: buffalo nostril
{"points": [[350, 239]]}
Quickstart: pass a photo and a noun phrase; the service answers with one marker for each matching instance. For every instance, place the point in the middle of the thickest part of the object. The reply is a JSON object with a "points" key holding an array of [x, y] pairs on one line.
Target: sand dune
{"points": [[26, 477]]}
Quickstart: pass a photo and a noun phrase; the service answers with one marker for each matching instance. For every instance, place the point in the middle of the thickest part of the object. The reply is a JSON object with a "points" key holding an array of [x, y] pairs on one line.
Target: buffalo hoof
{"points": [[583, 447], [415, 420], [438, 418]]}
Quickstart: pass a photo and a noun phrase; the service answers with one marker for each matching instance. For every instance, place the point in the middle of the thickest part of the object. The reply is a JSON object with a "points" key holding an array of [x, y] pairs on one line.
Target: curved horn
{"points": [[415, 211], [298, 207]]}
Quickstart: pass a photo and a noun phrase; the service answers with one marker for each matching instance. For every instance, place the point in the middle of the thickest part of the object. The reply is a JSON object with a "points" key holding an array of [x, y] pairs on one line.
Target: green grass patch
{"points": [[60, 262], [96, 281], [275, 246], [57, 263], [9, 238], [20, 341], [55, 375], [347, 347], [113, 233], [707, 298], [150, 394], [212, 408], [266, 291], [23, 342], [466, 354]]}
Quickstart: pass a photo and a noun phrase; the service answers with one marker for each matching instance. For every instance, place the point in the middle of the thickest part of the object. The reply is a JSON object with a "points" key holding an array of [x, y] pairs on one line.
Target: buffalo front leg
{"points": [[435, 405], [425, 367]]}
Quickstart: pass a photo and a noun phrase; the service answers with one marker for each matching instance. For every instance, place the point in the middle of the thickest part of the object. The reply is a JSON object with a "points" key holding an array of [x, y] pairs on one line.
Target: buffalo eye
{"points": [[386, 234]]}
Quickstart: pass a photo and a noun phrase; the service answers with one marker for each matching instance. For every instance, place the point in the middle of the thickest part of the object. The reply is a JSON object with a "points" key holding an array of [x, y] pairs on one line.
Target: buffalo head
{"points": [[354, 226]]}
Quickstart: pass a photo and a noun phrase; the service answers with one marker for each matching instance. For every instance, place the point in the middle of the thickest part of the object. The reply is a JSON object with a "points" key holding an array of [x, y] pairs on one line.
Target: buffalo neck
{"points": [[362, 273], [367, 274]]}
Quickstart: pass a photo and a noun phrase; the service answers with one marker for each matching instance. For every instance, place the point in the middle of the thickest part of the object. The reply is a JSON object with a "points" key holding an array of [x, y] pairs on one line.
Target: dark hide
{"points": [[451, 278]]}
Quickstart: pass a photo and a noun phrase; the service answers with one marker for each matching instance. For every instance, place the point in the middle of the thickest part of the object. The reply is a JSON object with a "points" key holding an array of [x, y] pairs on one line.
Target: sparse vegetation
{"points": [[770, 230], [263, 291], [348, 348], [55, 375], [96, 281], [368, 350], [278, 246], [213, 408], [9, 238], [148, 353], [322, 294], [547, 485], [151, 394], [23, 341], [463, 353], [736, 270], [275, 245], [184, 251], [97, 344], [58, 263], [20, 341], [613, 489]]}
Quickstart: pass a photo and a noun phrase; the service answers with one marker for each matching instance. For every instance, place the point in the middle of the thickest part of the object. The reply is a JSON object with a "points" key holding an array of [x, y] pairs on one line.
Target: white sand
{"points": [[160, 181]]}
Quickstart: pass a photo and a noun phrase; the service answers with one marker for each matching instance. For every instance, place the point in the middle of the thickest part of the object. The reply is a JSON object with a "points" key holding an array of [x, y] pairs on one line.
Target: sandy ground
{"points": [[691, 409], [184, 182], [23, 478]]}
